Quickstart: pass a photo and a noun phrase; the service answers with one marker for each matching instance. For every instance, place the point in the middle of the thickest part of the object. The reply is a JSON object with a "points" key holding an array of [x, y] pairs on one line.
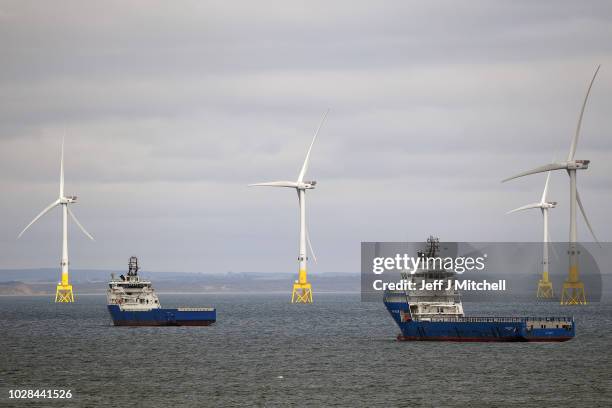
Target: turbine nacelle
{"points": [[578, 164], [68, 200], [307, 185], [550, 204]]}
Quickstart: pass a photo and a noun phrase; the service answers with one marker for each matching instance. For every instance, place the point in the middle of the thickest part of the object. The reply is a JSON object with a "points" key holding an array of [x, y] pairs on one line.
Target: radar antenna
{"points": [[133, 266], [433, 246]]}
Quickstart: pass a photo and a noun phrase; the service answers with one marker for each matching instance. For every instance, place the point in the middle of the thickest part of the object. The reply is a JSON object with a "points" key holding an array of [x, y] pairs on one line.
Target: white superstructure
{"points": [[427, 304], [130, 292]]}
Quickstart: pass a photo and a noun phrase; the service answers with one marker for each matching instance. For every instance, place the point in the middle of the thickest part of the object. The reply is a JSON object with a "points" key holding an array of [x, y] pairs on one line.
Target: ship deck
{"points": [[497, 319]]}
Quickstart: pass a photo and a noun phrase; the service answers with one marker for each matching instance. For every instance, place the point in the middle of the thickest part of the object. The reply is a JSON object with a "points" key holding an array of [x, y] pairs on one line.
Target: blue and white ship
{"points": [[437, 315], [133, 302]]}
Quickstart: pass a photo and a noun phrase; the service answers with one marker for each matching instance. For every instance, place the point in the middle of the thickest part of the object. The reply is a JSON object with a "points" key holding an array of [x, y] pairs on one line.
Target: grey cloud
{"points": [[172, 108]]}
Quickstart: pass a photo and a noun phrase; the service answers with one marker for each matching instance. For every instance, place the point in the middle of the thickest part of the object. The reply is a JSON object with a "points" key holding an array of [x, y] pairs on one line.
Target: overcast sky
{"points": [[172, 108]]}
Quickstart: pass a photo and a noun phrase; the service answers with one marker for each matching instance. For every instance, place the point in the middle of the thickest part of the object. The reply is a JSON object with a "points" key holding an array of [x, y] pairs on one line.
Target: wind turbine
{"points": [[545, 288], [573, 287], [302, 289], [63, 293]]}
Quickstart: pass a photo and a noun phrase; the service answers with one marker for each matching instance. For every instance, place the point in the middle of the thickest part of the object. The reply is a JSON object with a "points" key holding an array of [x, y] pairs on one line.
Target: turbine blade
{"points": [[61, 191], [586, 219], [305, 165], [43, 212], [276, 184], [525, 207], [79, 224], [541, 169], [545, 188], [310, 245], [574, 144]]}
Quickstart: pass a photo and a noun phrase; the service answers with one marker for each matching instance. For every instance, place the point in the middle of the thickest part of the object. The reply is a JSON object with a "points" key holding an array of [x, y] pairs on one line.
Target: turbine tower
{"points": [[63, 293], [545, 288], [573, 287], [302, 289]]}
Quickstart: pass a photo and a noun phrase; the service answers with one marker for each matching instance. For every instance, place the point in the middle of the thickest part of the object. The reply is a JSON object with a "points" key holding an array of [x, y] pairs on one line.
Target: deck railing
{"points": [[498, 319]]}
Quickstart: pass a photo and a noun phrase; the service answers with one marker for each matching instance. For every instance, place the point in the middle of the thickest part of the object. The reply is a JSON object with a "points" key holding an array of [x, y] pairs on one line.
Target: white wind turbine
{"points": [[302, 289], [573, 288], [63, 292], [545, 289]]}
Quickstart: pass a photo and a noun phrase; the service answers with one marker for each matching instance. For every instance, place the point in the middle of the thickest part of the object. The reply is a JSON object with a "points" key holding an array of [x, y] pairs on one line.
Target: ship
{"points": [[437, 315], [132, 301]]}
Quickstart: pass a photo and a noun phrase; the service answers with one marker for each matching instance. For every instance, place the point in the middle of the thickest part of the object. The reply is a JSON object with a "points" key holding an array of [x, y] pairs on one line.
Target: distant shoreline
{"points": [[194, 293]]}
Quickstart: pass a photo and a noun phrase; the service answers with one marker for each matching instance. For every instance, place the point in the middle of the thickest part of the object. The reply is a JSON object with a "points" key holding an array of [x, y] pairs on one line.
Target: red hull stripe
{"points": [[154, 323], [483, 339]]}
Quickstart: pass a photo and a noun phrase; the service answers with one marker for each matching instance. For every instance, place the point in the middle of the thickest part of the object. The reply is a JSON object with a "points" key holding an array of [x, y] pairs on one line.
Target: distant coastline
{"points": [[35, 282], [43, 281], [16, 288]]}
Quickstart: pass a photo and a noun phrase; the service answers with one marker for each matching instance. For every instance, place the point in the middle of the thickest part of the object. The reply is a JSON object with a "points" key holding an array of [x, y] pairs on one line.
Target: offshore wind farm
{"points": [[573, 291], [202, 288]]}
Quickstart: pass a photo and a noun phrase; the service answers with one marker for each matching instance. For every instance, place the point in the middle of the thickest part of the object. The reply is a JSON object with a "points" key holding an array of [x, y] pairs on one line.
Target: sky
{"points": [[171, 108]]}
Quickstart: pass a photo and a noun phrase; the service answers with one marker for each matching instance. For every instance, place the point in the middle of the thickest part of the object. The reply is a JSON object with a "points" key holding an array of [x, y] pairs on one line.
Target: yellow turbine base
{"points": [[63, 294], [545, 289], [302, 293], [573, 293]]}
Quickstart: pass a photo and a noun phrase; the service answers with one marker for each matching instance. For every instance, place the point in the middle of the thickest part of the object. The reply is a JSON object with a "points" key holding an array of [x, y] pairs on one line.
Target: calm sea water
{"points": [[264, 351]]}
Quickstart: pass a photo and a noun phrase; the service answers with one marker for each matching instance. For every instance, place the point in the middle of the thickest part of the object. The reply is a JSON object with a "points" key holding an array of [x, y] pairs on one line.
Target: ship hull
{"points": [[481, 329], [162, 317], [479, 332]]}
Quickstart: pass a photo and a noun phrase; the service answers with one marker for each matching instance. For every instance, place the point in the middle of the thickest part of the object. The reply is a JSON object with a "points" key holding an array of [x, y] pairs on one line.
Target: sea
{"points": [[265, 352]]}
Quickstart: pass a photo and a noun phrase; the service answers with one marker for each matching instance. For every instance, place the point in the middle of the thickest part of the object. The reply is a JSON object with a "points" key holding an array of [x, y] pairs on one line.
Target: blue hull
{"points": [[481, 329], [162, 317]]}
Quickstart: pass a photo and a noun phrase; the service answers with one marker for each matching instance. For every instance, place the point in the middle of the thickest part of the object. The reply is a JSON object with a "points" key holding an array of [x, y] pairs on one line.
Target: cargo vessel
{"points": [[133, 302], [437, 315]]}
